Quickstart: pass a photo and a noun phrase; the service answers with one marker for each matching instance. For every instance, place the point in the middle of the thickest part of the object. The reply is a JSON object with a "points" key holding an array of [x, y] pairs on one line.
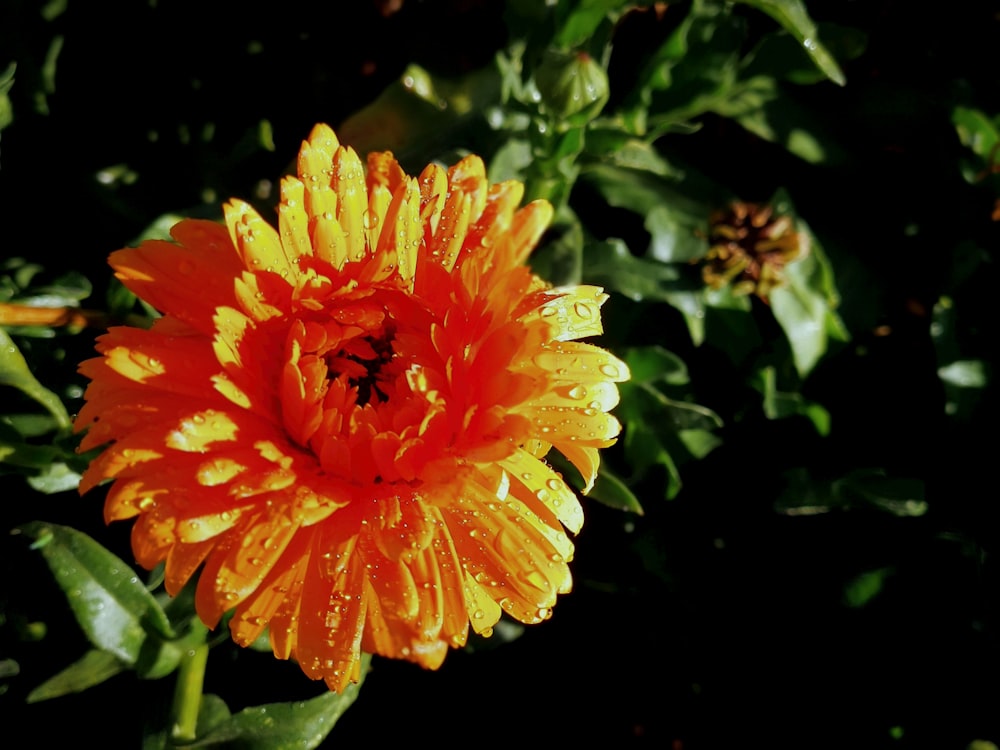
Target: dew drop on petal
{"points": [[610, 370]]}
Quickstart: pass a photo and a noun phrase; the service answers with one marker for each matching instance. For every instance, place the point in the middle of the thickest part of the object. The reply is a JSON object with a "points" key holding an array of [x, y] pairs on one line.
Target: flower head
{"points": [[343, 420], [750, 248]]}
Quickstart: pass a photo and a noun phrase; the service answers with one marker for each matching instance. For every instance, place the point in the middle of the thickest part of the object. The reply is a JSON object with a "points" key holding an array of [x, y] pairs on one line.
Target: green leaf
{"points": [[901, 497], [657, 74], [865, 587], [6, 82], [560, 260], [56, 477], [805, 307], [675, 221], [729, 325], [583, 20], [212, 712], [611, 265], [863, 488], [965, 373], [792, 16], [780, 55], [418, 114], [964, 379], [651, 364], [659, 428], [620, 149], [708, 72], [781, 404], [976, 131], [26, 455], [14, 371], [699, 443], [92, 669], [511, 160], [610, 490], [301, 725], [110, 603], [66, 291], [28, 425], [766, 110]]}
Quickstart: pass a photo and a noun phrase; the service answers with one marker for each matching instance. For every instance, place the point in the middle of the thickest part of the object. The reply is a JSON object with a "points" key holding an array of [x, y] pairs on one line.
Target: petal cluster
{"points": [[342, 420]]}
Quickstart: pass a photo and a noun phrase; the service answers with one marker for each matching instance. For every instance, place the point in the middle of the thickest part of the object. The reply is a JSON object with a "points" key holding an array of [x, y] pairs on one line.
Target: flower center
{"points": [[366, 365]]}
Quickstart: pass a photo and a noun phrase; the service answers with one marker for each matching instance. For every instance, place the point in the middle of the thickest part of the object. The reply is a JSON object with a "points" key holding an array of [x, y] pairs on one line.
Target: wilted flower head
{"points": [[343, 420], [749, 248]]}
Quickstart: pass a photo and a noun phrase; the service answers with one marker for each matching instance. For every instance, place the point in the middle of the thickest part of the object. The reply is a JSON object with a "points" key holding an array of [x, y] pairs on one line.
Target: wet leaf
{"points": [[661, 427], [108, 599], [781, 56], [620, 149], [583, 20], [792, 16], [55, 477], [649, 364], [611, 265], [805, 307], [14, 371], [676, 222], [301, 725], [610, 490], [17, 453], [92, 669]]}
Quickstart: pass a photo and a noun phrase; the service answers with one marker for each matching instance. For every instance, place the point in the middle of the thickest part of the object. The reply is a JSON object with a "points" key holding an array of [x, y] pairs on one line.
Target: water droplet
{"points": [[577, 392], [610, 370], [554, 484], [583, 310], [548, 312]]}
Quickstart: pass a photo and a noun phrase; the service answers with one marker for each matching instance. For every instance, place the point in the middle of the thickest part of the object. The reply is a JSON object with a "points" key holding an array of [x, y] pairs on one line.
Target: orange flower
{"points": [[344, 420]]}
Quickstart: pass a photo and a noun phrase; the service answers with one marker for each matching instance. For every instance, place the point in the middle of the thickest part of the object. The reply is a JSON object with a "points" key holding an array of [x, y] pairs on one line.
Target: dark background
{"points": [[712, 621]]}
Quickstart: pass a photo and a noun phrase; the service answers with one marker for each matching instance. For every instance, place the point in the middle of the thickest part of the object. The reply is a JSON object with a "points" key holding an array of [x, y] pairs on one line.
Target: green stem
{"points": [[187, 694]]}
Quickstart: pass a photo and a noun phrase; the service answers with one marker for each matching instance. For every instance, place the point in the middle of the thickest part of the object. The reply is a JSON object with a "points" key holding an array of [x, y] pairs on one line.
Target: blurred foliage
{"points": [[793, 540]]}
